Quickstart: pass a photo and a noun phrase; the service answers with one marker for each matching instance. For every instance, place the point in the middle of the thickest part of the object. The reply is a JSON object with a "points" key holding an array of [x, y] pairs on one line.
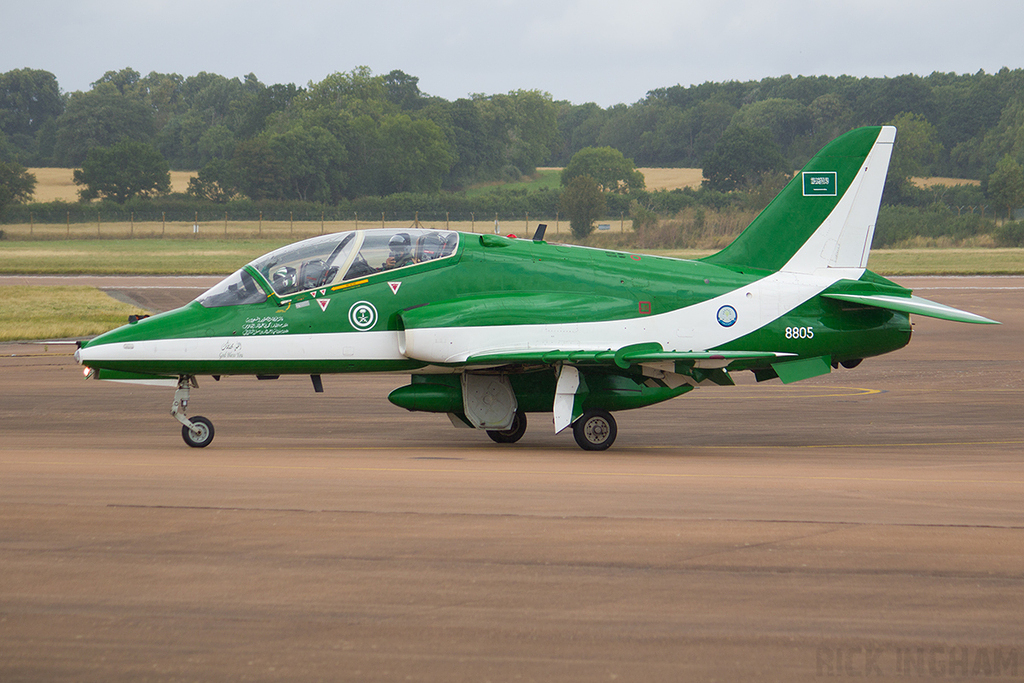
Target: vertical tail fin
{"points": [[825, 217]]}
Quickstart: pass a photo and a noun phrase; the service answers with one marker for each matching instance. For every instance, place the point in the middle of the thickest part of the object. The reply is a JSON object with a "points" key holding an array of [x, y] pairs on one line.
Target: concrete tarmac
{"points": [[866, 524]]}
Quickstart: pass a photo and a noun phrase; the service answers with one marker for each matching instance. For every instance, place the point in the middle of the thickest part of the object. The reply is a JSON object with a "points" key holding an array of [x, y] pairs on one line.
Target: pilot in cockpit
{"points": [[284, 280], [401, 252]]}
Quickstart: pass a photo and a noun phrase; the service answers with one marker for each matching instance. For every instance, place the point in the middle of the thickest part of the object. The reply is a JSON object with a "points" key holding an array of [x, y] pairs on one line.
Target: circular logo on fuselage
{"points": [[362, 315], [726, 316]]}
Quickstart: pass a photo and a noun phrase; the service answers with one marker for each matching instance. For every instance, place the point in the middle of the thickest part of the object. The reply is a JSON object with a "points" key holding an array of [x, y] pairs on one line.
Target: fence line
{"points": [[224, 228]]}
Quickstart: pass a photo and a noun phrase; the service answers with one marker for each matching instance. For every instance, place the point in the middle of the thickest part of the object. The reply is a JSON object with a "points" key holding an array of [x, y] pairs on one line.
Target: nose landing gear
{"points": [[197, 432]]}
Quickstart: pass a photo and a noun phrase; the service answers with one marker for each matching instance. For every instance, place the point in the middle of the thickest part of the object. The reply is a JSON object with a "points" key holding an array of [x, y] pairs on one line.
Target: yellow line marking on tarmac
{"points": [[796, 390], [571, 473], [688, 446]]}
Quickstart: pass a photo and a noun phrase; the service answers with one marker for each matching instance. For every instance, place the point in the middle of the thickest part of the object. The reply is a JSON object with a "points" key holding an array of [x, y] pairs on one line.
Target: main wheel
{"points": [[595, 430], [513, 433], [201, 436]]}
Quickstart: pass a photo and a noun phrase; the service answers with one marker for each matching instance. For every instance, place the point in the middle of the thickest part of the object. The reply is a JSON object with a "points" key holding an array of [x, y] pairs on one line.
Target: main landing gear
{"points": [[595, 430], [513, 433], [197, 432]]}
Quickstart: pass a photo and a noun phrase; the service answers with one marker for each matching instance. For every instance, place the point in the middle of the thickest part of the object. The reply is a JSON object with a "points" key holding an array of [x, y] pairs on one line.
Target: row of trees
{"points": [[977, 118], [357, 134], [351, 134]]}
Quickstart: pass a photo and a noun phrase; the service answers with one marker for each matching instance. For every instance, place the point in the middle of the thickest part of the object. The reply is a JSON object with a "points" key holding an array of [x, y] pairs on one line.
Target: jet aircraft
{"points": [[490, 328]]}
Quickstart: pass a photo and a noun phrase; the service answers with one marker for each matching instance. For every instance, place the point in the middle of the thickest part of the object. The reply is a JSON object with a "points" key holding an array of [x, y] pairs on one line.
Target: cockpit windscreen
{"points": [[235, 290], [324, 261], [330, 259]]}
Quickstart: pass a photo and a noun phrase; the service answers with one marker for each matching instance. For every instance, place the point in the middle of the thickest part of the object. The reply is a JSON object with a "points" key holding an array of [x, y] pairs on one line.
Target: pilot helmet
{"points": [[283, 278], [400, 245], [431, 246]]}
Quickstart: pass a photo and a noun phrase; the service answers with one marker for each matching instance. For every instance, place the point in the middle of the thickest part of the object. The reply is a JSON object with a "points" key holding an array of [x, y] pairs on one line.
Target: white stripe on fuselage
{"points": [[354, 346], [693, 328]]}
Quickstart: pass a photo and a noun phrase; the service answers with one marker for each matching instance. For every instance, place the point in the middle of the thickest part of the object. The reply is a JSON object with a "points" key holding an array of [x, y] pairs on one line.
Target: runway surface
{"points": [[867, 524]]}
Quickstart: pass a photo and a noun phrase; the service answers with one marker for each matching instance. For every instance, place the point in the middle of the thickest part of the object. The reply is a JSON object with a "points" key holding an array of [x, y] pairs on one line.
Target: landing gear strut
{"points": [[197, 432]]}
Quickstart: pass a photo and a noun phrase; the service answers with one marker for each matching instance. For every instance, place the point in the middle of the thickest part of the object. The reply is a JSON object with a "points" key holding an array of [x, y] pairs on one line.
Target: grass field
{"points": [[550, 178], [891, 262], [964, 261], [543, 179], [672, 178], [219, 256], [946, 182], [59, 312], [56, 183], [126, 257], [273, 230]]}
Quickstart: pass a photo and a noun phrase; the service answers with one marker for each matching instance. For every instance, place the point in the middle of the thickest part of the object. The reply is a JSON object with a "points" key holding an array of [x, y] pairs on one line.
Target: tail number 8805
{"points": [[799, 333]]}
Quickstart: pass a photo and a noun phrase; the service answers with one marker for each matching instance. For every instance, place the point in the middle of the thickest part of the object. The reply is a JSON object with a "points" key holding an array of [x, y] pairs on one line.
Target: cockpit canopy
{"points": [[322, 261]]}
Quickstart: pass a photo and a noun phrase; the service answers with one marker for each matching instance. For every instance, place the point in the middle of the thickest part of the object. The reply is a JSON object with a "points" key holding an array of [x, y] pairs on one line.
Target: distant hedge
{"points": [[898, 224], [505, 204], [1009, 234]]}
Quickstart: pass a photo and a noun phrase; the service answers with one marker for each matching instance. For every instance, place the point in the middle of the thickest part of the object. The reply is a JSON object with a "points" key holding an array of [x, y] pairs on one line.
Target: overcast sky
{"points": [[603, 51]]}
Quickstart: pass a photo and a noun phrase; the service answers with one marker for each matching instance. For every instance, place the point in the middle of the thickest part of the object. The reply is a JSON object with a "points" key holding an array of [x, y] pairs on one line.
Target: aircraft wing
{"points": [[660, 368], [623, 358], [912, 304]]}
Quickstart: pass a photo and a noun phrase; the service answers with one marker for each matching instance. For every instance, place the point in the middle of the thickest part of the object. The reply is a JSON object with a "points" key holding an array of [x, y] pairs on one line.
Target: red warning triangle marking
{"points": [[394, 287], [323, 303]]}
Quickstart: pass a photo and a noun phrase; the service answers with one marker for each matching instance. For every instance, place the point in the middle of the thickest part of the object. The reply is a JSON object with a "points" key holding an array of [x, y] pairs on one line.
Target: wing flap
{"points": [[913, 304]]}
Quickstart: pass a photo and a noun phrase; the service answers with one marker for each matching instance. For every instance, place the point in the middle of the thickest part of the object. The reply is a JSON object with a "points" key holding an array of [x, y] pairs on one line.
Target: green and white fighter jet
{"points": [[491, 328]]}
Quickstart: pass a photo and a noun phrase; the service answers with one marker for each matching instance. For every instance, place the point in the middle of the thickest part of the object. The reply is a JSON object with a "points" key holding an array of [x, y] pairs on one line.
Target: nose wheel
{"points": [[200, 434], [197, 432]]}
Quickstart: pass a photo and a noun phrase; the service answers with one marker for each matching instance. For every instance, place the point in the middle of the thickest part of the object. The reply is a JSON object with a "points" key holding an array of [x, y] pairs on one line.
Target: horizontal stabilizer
{"points": [[913, 304]]}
